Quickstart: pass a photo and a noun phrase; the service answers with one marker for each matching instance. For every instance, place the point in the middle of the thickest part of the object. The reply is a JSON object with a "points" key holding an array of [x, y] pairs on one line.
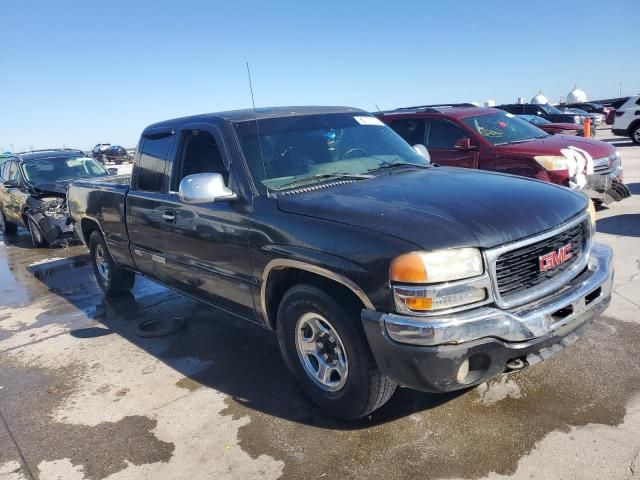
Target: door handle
{"points": [[169, 216]]}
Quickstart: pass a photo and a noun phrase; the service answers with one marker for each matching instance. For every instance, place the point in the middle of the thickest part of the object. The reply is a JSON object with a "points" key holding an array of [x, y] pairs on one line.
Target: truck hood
{"points": [[553, 144], [443, 207]]}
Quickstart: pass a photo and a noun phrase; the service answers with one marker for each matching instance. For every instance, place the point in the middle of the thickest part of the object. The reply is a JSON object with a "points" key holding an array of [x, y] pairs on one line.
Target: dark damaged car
{"points": [[34, 189]]}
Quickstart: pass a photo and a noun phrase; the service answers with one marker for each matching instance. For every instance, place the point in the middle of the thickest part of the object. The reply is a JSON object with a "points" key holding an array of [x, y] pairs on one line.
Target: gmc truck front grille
{"points": [[520, 269]]}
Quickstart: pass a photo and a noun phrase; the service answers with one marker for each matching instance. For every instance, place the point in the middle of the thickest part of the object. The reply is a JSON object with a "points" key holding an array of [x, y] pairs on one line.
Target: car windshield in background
{"points": [[48, 170], [535, 119], [303, 150], [550, 109], [503, 128]]}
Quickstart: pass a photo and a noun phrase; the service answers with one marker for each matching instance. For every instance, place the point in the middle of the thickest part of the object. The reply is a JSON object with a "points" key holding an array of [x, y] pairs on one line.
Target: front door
{"points": [[206, 245], [440, 139]]}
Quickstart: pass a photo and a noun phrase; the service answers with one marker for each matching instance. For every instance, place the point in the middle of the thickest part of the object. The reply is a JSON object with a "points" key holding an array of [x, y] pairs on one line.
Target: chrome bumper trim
{"points": [[519, 324]]}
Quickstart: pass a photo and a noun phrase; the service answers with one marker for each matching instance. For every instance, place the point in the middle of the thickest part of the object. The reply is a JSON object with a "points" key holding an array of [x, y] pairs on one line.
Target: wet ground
{"points": [[83, 397]]}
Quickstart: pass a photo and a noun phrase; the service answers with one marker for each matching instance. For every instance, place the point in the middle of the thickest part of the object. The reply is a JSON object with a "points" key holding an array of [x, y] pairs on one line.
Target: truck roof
{"points": [[248, 114]]}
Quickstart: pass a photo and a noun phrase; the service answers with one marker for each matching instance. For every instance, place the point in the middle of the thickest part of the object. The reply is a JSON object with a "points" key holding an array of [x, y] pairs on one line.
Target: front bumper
{"points": [[460, 350], [608, 187]]}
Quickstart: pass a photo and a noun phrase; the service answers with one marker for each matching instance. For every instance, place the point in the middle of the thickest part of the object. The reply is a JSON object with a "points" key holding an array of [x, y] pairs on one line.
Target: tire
{"points": [[37, 238], [6, 227], [635, 134], [112, 279], [354, 387]]}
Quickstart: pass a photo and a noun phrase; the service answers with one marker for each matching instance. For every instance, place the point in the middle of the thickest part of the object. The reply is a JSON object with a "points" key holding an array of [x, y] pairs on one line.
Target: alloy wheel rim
{"points": [[636, 134], [102, 264], [321, 352]]}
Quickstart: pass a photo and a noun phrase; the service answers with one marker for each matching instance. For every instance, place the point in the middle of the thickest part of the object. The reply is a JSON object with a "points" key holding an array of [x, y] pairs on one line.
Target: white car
{"points": [[626, 122]]}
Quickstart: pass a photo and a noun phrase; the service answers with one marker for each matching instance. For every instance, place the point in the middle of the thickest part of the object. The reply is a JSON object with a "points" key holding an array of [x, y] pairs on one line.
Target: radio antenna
{"points": [[255, 114], [377, 107]]}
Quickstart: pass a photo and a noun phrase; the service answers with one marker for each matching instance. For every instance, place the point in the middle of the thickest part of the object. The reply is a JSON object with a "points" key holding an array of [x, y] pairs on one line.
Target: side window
{"points": [[152, 163], [443, 134], [412, 130], [638, 101], [198, 153], [3, 169]]}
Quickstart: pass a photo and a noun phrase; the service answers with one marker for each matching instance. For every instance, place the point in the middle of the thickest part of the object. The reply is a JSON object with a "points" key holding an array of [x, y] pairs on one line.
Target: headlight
{"points": [[436, 267], [439, 267], [552, 162]]}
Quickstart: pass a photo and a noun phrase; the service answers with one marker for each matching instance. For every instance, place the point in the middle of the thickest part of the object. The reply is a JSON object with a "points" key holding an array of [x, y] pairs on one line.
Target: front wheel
{"points": [[37, 238], [325, 349], [112, 279], [635, 134]]}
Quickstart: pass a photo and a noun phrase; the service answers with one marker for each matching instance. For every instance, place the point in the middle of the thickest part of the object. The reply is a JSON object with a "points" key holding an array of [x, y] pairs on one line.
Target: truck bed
{"points": [[103, 200]]}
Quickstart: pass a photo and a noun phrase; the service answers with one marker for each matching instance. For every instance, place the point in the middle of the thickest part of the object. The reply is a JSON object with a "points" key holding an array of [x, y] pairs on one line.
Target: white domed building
{"points": [[540, 99], [576, 96]]}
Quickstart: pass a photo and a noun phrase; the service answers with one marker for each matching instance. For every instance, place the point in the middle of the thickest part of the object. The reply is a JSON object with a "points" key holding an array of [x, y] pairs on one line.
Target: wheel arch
{"points": [[633, 125], [282, 274], [87, 227]]}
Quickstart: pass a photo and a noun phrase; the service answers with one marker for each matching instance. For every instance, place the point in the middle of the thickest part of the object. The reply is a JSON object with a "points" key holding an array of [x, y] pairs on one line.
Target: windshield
{"points": [[303, 150], [49, 170], [535, 119], [503, 128], [550, 109]]}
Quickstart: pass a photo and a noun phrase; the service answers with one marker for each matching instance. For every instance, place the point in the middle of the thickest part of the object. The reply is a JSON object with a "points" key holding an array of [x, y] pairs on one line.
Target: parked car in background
{"points": [[556, 128], [33, 192], [627, 120], [490, 139], [100, 148], [591, 107], [547, 112], [115, 154], [372, 268], [596, 118]]}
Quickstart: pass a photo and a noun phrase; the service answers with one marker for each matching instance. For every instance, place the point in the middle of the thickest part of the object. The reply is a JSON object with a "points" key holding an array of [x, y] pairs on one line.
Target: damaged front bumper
{"points": [[607, 188], [56, 229], [457, 351]]}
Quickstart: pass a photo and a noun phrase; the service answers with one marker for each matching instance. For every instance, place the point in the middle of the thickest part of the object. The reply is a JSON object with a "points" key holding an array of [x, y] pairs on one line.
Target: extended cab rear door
{"points": [[146, 200]]}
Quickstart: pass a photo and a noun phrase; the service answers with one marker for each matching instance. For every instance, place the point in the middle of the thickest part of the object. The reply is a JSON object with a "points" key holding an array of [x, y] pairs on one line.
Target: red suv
{"points": [[464, 135]]}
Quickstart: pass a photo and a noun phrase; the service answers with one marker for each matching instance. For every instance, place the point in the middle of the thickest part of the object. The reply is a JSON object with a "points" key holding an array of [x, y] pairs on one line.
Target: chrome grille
{"points": [[515, 268]]}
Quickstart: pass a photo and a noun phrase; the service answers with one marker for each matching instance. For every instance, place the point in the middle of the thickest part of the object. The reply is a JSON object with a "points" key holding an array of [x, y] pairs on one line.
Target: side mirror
{"points": [[11, 183], [463, 144], [422, 151], [204, 188], [112, 171]]}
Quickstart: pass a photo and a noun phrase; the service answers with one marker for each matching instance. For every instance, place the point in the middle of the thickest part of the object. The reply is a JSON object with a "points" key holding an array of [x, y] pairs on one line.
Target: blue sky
{"points": [[76, 73]]}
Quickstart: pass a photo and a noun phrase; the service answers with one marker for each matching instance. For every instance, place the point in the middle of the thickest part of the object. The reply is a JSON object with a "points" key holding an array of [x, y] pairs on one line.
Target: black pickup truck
{"points": [[373, 267]]}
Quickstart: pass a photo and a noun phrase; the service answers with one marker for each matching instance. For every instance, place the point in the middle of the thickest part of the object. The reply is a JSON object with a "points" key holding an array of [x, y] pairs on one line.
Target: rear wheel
{"points": [[112, 279], [7, 227], [635, 134], [37, 238], [325, 349]]}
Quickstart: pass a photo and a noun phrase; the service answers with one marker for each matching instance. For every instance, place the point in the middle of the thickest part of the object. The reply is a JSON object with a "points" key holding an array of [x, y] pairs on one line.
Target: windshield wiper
{"points": [[518, 141], [325, 176], [383, 166]]}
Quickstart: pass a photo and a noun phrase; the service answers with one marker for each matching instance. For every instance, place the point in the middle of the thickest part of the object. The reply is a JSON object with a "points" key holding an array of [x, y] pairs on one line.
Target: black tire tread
{"points": [[381, 388], [122, 280]]}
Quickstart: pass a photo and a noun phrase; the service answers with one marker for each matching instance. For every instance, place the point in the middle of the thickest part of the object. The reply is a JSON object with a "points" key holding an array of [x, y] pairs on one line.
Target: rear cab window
{"points": [[150, 174]]}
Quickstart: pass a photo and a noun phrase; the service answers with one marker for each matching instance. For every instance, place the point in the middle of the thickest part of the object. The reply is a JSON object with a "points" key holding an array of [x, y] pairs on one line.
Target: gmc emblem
{"points": [[553, 259]]}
